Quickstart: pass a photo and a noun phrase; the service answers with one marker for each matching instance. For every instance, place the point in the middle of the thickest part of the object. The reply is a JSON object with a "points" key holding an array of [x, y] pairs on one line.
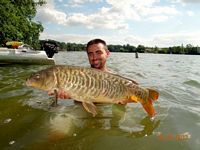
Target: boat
{"points": [[13, 44], [24, 54]]}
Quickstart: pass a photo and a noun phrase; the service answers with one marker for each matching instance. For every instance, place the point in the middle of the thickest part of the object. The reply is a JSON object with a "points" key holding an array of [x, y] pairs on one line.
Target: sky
{"points": [[160, 23]]}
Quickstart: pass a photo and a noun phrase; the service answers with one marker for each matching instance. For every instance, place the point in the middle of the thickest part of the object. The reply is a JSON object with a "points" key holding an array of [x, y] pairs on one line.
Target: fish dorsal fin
{"points": [[90, 107]]}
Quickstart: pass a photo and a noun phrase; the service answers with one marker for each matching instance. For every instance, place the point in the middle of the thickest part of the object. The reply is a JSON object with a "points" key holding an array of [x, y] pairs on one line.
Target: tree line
{"points": [[188, 49]]}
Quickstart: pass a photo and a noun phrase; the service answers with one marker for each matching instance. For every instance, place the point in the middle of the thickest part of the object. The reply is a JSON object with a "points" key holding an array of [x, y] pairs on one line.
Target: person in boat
{"points": [[97, 52], [50, 48]]}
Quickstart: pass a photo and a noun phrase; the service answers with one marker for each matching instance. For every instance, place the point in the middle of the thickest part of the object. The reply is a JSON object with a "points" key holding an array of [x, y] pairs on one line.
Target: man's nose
{"points": [[94, 56]]}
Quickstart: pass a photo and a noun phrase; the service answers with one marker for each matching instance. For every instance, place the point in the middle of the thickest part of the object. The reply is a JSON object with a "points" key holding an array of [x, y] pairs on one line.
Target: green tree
{"points": [[176, 49], [191, 49], [17, 21], [140, 49]]}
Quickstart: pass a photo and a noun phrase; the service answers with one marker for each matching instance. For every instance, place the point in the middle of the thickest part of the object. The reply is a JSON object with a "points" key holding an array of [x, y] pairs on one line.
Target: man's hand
{"points": [[61, 94]]}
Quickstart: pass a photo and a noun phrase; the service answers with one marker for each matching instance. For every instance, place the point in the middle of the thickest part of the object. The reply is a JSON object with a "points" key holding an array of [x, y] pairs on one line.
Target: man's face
{"points": [[97, 55]]}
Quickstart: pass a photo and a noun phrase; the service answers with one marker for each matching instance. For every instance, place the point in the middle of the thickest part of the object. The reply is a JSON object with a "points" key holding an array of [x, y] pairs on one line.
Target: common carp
{"points": [[89, 85]]}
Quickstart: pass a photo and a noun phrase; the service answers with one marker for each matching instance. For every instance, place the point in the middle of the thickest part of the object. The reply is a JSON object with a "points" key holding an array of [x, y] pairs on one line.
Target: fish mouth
{"points": [[28, 82]]}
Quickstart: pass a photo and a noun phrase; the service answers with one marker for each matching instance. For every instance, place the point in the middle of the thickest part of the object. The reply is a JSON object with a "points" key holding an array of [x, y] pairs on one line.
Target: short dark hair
{"points": [[96, 41]]}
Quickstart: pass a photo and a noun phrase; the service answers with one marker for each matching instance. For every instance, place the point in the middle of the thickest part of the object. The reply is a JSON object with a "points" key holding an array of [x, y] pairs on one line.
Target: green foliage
{"points": [[16, 21], [140, 49], [121, 48], [81, 47], [189, 49]]}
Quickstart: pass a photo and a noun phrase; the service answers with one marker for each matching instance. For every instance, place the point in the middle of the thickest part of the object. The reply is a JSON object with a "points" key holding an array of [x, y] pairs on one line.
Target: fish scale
{"points": [[89, 85]]}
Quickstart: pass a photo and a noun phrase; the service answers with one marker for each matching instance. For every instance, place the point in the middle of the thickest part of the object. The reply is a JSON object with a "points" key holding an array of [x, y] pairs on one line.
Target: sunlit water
{"points": [[28, 122]]}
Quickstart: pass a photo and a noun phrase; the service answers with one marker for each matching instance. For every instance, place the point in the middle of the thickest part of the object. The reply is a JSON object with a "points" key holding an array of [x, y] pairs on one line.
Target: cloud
{"points": [[143, 8], [157, 13], [139, 3], [48, 13], [158, 10], [158, 18], [166, 40], [185, 1], [79, 3], [115, 16], [76, 19], [190, 13], [177, 39], [104, 18], [71, 38]]}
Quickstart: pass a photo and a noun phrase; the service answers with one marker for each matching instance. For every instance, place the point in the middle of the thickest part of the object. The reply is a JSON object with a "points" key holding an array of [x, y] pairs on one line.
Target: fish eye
{"points": [[37, 76]]}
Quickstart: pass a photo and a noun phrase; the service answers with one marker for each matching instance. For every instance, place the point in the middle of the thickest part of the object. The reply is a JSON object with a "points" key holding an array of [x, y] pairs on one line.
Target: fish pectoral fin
{"points": [[90, 107], [133, 99]]}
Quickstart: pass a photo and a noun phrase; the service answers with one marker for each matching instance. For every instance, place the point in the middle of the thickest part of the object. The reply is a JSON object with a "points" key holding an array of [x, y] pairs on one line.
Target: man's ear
{"points": [[107, 52]]}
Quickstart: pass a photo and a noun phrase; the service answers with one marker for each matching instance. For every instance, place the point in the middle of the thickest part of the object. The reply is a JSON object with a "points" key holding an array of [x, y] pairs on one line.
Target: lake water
{"points": [[28, 122]]}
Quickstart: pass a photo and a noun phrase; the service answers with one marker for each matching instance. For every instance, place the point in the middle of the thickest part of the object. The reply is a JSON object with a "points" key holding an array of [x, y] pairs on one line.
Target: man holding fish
{"points": [[98, 53], [93, 85]]}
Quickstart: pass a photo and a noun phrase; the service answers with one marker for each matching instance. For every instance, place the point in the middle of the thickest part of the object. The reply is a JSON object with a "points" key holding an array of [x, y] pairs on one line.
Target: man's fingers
{"points": [[61, 94]]}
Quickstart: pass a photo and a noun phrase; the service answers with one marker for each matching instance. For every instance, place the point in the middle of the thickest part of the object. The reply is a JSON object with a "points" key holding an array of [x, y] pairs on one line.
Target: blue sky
{"points": [[148, 22]]}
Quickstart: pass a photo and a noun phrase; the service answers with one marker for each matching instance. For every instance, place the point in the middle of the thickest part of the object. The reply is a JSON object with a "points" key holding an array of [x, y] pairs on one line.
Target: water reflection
{"points": [[149, 126], [73, 120]]}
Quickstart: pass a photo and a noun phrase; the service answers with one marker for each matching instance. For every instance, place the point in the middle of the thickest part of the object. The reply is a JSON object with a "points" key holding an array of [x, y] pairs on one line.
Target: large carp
{"points": [[89, 85]]}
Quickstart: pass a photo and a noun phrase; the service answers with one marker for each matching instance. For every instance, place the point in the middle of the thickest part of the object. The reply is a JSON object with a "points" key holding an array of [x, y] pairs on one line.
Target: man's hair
{"points": [[96, 41]]}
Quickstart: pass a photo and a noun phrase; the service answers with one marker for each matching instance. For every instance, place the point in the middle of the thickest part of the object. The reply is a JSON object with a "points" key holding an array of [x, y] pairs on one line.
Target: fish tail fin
{"points": [[148, 104], [153, 94]]}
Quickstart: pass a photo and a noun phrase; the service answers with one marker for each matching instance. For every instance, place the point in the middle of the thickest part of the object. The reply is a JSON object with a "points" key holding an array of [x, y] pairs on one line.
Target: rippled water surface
{"points": [[28, 122]]}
